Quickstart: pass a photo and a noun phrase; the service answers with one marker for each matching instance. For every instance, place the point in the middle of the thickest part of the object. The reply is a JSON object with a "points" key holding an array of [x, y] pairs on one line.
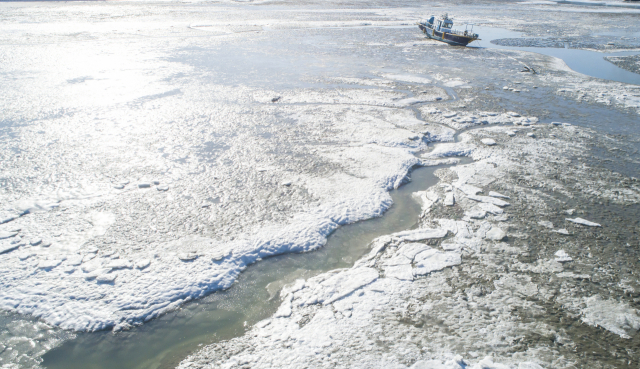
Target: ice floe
{"points": [[562, 256], [496, 234], [488, 141], [614, 316], [583, 222]]}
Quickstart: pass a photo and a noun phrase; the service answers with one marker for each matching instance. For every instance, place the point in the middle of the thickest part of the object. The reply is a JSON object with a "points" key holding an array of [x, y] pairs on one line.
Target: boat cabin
{"points": [[441, 25]]}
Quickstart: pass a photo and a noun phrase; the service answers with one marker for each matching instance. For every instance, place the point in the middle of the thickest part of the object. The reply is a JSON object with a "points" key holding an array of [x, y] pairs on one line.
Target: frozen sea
{"points": [[151, 152]]}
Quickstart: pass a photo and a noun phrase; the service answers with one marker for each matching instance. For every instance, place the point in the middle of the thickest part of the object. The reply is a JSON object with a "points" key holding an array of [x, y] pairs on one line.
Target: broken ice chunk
{"points": [[583, 222], [615, 316], [501, 218], [421, 234], [4, 218], [477, 214], [25, 255], [142, 263], [8, 248], [496, 194], [4, 235], [144, 185], [510, 133], [562, 231], [546, 223], [469, 189], [433, 260], [75, 260], [187, 256], [397, 260], [284, 310], [490, 208], [488, 141], [119, 264], [496, 234], [88, 257], [344, 283], [162, 187], [48, 264], [489, 200], [35, 241], [95, 273], [68, 269], [106, 278], [410, 250], [531, 134], [452, 246], [220, 255], [449, 199], [562, 256], [402, 272]]}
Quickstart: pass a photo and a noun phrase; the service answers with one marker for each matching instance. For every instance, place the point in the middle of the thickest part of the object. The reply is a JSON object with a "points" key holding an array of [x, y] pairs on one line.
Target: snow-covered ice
{"points": [[397, 319], [246, 167]]}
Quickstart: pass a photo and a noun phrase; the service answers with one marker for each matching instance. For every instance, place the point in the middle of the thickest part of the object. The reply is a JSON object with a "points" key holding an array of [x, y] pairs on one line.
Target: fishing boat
{"points": [[441, 30]]}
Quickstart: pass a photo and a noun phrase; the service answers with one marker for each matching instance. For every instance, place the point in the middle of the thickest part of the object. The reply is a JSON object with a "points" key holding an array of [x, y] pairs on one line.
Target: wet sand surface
{"points": [[156, 154]]}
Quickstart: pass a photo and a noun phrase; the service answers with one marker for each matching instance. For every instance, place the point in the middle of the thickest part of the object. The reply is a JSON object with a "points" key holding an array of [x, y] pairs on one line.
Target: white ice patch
{"points": [[496, 234], [614, 316], [583, 222], [449, 199], [432, 260], [562, 256], [496, 194], [488, 141], [421, 234]]}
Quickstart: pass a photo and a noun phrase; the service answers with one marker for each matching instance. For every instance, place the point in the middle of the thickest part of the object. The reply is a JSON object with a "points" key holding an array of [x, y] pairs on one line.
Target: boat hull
{"points": [[450, 38]]}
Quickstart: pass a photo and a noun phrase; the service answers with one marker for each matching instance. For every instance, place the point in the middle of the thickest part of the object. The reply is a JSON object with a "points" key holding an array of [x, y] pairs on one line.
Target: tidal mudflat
{"points": [[152, 152]]}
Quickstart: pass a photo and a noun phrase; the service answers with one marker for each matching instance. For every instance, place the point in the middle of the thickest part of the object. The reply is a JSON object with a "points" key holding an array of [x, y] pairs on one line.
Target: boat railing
{"points": [[462, 33]]}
